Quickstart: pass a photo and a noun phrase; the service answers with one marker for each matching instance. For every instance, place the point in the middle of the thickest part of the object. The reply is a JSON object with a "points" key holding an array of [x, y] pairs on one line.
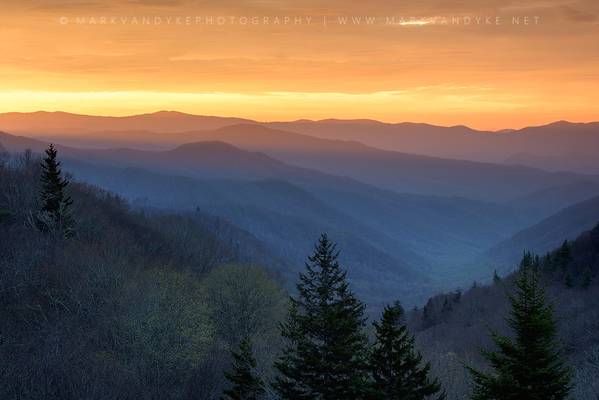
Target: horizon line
{"points": [[331, 119]]}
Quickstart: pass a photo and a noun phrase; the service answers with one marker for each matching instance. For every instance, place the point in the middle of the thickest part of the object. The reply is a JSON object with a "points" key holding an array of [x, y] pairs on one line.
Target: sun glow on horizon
{"points": [[480, 75], [412, 105]]}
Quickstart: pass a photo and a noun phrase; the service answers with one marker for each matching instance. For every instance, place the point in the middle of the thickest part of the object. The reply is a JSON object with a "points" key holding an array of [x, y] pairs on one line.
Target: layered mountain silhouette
{"points": [[410, 224], [556, 146], [391, 170], [43, 122], [549, 233]]}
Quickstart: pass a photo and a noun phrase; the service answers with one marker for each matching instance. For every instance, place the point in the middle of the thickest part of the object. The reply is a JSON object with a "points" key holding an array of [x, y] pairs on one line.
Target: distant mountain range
{"points": [[408, 224], [553, 146], [400, 172], [75, 124], [557, 146]]}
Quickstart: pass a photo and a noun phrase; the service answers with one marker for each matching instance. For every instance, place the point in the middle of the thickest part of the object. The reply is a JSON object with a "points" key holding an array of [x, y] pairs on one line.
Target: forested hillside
{"points": [[128, 305], [299, 200], [395, 243], [99, 300], [451, 328]]}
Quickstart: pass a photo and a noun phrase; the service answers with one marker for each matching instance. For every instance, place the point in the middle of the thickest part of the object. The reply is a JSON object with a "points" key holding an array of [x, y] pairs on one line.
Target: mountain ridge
{"points": [[175, 113], [554, 146]]}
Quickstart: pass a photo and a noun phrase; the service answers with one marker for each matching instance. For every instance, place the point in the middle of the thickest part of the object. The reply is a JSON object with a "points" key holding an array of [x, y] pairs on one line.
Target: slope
{"points": [[452, 327], [545, 235]]}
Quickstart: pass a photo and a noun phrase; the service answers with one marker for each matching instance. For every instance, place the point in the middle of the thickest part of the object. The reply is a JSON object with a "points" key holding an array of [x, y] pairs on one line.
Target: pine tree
{"points": [[325, 356], [396, 367], [245, 384], [528, 367], [55, 204]]}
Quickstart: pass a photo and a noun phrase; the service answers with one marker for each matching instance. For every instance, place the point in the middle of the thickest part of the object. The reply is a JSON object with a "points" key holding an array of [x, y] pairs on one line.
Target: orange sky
{"points": [[134, 56]]}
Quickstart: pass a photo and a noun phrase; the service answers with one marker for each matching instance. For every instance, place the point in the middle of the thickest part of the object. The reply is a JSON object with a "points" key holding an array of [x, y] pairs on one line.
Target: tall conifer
{"points": [[325, 357], [397, 369], [528, 366], [55, 204], [245, 385]]}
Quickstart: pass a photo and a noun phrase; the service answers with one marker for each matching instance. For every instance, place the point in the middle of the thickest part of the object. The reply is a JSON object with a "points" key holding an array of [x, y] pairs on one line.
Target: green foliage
{"points": [[55, 211], [528, 367], [122, 309], [170, 329], [244, 302], [245, 384], [397, 368], [325, 356]]}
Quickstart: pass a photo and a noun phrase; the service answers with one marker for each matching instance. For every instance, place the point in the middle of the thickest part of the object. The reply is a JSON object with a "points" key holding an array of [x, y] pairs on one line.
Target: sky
{"points": [[488, 64]]}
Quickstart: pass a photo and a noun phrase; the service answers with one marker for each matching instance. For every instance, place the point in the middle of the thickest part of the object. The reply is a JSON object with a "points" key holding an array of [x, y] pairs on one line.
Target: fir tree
{"points": [[528, 367], [564, 255], [55, 204], [396, 367], [427, 314], [325, 356], [496, 278], [245, 384]]}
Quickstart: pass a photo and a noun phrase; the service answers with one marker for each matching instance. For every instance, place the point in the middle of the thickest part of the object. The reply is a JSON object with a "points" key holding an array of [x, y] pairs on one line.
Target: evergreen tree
{"points": [[496, 278], [568, 280], [325, 356], [245, 384], [55, 204], [595, 237], [396, 367], [564, 255], [447, 307], [587, 278], [427, 314], [528, 367]]}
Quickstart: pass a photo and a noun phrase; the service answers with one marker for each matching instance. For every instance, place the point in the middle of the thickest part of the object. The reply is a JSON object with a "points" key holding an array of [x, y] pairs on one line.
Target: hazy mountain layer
{"points": [[557, 146]]}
